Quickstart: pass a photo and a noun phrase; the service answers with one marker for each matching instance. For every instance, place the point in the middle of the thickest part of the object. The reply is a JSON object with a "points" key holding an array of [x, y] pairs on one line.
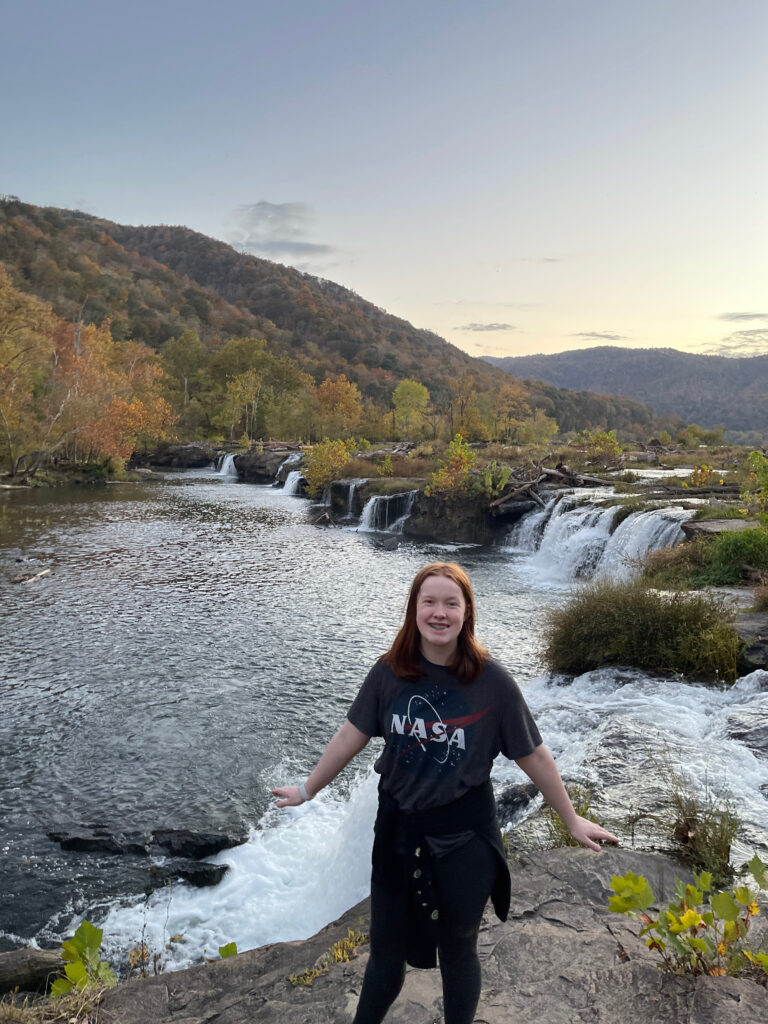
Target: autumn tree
{"points": [[338, 406], [26, 364], [511, 410], [410, 399]]}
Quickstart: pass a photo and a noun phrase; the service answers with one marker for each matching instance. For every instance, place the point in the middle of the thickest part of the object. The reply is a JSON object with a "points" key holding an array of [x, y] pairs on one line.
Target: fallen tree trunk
{"points": [[29, 970]]}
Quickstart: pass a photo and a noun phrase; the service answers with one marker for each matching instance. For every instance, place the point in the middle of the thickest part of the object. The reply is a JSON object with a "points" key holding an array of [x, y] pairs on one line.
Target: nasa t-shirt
{"points": [[441, 735]]}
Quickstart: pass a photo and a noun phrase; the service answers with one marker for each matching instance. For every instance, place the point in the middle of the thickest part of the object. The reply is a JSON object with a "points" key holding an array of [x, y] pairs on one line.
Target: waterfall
{"points": [[387, 512], [293, 482], [228, 467], [639, 534], [568, 541], [282, 470], [352, 487]]}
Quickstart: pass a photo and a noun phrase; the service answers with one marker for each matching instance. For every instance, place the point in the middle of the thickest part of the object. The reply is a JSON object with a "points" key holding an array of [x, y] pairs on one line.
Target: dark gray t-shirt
{"points": [[441, 735]]}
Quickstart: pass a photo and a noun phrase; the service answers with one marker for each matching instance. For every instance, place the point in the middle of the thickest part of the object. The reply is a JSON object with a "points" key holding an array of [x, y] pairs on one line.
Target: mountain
{"points": [[708, 390], [154, 283]]}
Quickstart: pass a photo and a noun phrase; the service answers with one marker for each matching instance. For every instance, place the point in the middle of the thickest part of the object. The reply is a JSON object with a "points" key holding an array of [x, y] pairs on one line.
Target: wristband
{"points": [[303, 792]]}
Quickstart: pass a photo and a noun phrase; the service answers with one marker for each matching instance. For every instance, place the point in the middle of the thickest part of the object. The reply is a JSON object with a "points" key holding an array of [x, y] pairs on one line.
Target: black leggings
{"points": [[463, 881]]}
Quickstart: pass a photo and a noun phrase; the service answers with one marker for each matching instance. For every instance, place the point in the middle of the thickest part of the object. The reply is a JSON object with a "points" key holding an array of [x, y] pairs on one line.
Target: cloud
{"points": [[487, 327], [276, 229], [743, 316], [600, 336], [752, 342]]}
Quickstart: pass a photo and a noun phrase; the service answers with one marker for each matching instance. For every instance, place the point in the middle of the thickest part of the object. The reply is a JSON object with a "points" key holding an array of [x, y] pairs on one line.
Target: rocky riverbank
{"points": [[562, 957]]}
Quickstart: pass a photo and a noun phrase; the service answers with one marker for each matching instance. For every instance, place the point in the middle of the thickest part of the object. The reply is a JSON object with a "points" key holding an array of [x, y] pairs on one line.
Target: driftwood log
{"points": [[29, 970]]}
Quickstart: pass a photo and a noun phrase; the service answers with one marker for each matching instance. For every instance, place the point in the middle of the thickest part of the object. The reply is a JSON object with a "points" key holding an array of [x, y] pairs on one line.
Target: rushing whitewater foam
{"points": [[301, 868]]}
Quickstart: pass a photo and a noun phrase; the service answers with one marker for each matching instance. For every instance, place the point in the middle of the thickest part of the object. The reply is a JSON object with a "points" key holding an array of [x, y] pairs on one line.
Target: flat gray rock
{"points": [[561, 958]]}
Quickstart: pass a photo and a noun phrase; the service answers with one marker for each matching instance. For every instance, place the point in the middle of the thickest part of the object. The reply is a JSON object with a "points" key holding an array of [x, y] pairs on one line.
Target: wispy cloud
{"points": [[600, 336], [743, 316], [751, 342], [276, 230], [487, 327]]}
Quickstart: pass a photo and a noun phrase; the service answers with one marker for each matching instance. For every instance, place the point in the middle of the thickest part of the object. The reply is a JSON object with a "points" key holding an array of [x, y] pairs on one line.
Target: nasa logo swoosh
{"points": [[420, 707]]}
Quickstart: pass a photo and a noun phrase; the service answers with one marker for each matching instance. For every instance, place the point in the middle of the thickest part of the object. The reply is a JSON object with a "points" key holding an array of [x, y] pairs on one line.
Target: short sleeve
{"points": [[519, 733], [364, 711]]}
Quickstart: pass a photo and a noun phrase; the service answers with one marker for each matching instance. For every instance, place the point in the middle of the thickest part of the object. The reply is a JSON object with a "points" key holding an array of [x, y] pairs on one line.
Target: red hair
{"points": [[403, 657]]}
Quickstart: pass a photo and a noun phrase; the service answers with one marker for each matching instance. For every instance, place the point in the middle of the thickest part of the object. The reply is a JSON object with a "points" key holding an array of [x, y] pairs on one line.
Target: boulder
{"points": [[752, 628], [452, 522], [561, 955], [178, 456], [711, 527], [182, 842], [260, 467], [513, 799], [99, 839], [196, 872]]}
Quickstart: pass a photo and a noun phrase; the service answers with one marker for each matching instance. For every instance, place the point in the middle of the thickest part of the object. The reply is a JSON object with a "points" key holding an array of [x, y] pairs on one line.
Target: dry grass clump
{"points": [[79, 1007]]}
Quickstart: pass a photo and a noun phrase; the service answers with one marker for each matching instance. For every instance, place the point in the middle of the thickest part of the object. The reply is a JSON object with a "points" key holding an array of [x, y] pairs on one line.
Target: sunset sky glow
{"points": [[519, 177]]}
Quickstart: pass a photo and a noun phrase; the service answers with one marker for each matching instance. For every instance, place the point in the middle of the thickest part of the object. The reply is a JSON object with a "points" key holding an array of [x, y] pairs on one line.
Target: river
{"points": [[198, 640]]}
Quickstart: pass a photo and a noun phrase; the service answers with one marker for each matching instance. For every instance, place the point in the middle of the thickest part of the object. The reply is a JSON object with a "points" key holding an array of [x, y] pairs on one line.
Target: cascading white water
{"points": [[291, 460], [570, 541], [228, 467], [387, 513], [292, 482], [639, 534]]}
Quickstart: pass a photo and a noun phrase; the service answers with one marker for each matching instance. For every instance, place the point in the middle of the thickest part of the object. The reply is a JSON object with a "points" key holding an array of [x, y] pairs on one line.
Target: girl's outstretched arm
{"points": [[347, 742], [541, 769]]}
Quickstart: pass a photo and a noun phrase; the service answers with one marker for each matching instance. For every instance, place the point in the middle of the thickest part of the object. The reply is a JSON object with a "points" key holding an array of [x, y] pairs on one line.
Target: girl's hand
{"points": [[290, 796], [589, 834]]}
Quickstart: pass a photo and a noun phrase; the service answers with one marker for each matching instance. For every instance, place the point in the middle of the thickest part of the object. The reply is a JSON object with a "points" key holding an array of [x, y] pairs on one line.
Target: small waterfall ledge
{"points": [[387, 513], [569, 541], [227, 467]]}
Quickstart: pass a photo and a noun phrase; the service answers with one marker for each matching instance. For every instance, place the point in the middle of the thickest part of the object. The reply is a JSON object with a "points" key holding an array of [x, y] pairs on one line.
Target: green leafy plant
{"points": [[230, 949], [701, 931], [84, 968], [489, 482], [385, 469]]}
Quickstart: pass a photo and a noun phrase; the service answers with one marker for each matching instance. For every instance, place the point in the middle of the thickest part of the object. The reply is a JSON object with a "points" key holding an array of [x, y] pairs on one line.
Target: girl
{"points": [[445, 710]]}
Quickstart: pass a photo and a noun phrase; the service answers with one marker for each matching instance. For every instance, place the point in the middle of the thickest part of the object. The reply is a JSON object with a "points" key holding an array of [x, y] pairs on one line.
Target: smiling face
{"points": [[440, 614]]}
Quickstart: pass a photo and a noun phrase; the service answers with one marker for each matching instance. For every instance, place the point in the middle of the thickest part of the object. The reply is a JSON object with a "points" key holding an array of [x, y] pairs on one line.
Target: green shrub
{"points": [[626, 623], [324, 463], [450, 480], [732, 551]]}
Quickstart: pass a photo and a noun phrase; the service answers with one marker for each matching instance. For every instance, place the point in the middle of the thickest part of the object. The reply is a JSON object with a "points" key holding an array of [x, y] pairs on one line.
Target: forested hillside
{"points": [[708, 390], [246, 347]]}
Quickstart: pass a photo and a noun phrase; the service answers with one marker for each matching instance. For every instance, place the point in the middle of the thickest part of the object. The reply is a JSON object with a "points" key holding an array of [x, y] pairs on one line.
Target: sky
{"points": [[519, 177]]}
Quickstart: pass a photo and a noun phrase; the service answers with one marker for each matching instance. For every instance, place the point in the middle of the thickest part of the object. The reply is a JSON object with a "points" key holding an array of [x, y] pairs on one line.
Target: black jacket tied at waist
{"points": [[402, 861]]}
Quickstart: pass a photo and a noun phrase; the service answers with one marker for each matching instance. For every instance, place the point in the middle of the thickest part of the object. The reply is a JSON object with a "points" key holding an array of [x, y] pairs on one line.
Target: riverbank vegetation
{"points": [[180, 333], [628, 623]]}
